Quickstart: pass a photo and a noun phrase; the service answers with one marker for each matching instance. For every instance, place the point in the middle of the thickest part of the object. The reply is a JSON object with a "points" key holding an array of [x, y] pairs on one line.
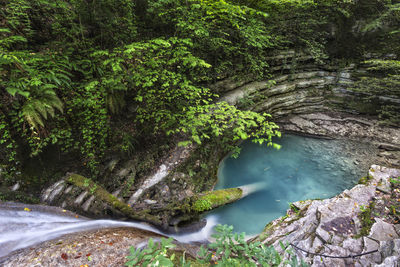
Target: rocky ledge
{"points": [[358, 221], [354, 127]]}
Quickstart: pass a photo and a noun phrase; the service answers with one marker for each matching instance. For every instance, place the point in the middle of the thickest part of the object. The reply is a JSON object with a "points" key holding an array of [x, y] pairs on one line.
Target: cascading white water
{"points": [[20, 228]]}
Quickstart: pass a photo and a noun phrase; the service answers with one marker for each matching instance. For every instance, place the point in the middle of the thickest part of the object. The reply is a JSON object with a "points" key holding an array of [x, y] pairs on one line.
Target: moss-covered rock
{"points": [[364, 180]]}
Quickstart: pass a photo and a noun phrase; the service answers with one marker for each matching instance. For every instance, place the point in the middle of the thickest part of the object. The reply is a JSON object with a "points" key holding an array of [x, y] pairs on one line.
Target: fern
{"points": [[391, 17], [35, 110]]}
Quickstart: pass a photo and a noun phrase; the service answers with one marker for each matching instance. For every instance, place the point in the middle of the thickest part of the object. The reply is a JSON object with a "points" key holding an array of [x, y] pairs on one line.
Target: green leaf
{"points": [[163, 261], [24, 93], [11, 90]]}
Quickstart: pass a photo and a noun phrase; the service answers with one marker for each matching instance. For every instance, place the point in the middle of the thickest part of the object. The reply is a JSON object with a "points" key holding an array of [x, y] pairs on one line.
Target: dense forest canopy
{"points": [[73, 71]]}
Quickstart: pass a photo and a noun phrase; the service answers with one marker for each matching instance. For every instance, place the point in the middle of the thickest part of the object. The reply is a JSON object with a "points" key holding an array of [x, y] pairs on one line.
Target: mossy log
{"points": [[214, 199], [188, 209], [101, 194]]}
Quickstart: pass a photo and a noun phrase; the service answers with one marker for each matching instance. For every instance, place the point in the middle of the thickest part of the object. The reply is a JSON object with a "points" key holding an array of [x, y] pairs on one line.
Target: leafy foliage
{"points": [[155, 254], [228, 249], [232, 38], [72, 70], [231, 249], [229, 123], [67, 68]]}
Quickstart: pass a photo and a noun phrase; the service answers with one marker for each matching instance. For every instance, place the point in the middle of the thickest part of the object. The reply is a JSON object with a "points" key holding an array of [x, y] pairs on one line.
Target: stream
{"points": [[22, 227]]}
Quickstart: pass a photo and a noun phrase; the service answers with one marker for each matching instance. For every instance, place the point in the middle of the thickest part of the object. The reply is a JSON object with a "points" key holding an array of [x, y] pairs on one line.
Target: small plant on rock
{"points": [[155, 254], [231, 249]]}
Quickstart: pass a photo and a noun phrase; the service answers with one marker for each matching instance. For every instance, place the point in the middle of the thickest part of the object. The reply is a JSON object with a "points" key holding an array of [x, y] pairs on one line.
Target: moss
{"points": [[366, 220], [214, 199], [101, 194], [364, 180], [295, 209], [202, 205], [268, 229]]}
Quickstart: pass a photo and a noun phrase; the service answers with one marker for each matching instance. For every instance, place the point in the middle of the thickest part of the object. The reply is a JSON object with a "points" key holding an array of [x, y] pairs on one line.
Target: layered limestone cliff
{"points": [[317, 100], [299, 85]]}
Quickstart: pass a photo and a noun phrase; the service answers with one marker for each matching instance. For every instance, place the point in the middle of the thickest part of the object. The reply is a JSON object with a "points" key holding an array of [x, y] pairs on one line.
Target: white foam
{"points": [[202, 235], [20, 229]]}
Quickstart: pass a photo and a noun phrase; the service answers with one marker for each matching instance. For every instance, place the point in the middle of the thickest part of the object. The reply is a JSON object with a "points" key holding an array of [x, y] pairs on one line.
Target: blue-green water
{"points": [[304, 168]]}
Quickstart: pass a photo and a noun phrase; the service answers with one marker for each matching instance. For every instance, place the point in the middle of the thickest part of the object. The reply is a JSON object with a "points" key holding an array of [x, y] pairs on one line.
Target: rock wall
{"points": [[83, 201], [335, 226], [298, 85], [313, 99]]}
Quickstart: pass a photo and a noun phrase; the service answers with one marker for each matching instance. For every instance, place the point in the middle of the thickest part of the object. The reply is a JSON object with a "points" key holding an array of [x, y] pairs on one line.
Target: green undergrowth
{"points": [[228, 249], [70, 69]]}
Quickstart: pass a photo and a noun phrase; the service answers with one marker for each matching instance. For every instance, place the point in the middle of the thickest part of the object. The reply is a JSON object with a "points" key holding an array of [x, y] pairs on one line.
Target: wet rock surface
{"points": [[344, 125], [335, 227]]}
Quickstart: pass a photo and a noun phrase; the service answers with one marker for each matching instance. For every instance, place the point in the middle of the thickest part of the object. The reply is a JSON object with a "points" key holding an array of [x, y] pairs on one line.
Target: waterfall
{"points": [[23, 226]]}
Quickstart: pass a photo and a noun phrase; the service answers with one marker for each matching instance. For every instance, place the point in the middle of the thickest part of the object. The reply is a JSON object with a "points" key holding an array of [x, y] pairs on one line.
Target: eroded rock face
{"points": [[343, 125], [305, 97], [298, 86], [333, 227], [82, 200]]}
